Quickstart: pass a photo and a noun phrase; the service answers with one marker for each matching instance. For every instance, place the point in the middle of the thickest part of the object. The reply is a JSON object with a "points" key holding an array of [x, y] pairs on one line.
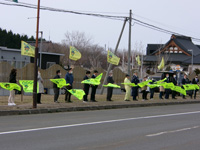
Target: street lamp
{"points": [[191, 50], [41, 50]]}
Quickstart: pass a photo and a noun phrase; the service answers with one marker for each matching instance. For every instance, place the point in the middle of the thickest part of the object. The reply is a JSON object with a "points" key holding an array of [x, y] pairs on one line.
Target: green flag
{"points": [[112, 85], [130, 84], [98, 78], [151, 86], [90, 81], [168, 85], [159, 81], [142, 84], [188, 87], [93, 81], [196, 86], [10, 86], [77, 93], [179, 89], [28, 86], [60, 82]]}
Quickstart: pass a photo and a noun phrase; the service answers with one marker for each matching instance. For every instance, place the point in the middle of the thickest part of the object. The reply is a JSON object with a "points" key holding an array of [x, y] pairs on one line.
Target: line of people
{"points": [[163, 92]]}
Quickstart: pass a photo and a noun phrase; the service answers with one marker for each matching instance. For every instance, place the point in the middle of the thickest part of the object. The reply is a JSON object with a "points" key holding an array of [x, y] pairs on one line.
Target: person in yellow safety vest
{"points": [[127, 88]]}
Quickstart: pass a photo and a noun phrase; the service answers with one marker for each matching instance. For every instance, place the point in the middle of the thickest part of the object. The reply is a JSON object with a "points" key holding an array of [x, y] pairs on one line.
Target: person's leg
{"points": [[195, 94], [143, 94], [9, 99], [56, 94], [12, 96], [92, 98], [108, 94], [38, 98]]}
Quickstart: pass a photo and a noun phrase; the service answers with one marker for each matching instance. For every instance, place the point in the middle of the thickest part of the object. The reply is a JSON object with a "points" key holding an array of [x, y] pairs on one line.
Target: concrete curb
{"points": [[87, 108]]}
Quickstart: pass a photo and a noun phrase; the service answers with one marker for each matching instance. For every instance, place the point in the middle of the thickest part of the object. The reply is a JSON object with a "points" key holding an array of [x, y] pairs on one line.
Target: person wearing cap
{"points": [[86, 87], [69, 80], [110, 89], [94, 87], [135, 88], [127, 88], [55, 88]]}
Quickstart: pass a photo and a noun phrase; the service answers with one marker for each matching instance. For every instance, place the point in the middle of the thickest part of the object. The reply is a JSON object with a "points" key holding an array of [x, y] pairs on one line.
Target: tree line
{"points": [[11, 40], [93, 55]]}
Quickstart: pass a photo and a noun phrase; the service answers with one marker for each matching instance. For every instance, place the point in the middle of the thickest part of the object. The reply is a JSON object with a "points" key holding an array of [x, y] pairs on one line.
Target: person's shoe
{"points": [[93, 101], [85, 101], [151, 99], [56, 102], [135, 100], [126, 100], [68, 101], [9, 104], [39, 103], [184, 98], [143, 100], [13, 104]]}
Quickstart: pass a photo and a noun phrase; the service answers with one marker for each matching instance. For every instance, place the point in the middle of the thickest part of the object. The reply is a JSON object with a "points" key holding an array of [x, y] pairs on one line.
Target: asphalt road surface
{"points": [[174, 127]]}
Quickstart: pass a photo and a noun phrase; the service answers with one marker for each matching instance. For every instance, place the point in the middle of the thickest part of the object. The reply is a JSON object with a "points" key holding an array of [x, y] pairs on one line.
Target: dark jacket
{"points": [[86, 86], [69, 78], [135, 80], [93, 76], [13, 78], [56, 77], [110, 80], [194, 81], [174, 80], [185, 81]]}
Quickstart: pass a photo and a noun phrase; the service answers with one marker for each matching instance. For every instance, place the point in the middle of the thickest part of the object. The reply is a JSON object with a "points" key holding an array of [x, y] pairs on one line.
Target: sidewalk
{"points": [[48, 106]]}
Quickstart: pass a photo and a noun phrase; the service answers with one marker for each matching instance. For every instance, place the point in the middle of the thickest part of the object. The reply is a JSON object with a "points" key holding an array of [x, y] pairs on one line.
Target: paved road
{"points": [[146, 128]]}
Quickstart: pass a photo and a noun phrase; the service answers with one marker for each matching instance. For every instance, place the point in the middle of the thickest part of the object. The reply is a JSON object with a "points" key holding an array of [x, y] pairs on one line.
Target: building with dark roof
{"points": [[179, 50], [14, 57]]}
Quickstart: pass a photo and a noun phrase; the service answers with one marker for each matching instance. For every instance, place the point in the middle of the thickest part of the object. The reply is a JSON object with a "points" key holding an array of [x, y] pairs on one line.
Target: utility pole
{"points": [[35, 59], [129, 44], [110, 65]]}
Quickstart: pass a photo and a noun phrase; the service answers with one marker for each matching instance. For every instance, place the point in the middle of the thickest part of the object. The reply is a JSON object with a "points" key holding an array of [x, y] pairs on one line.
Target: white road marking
{"points": [[98, 122], [173, 131]]}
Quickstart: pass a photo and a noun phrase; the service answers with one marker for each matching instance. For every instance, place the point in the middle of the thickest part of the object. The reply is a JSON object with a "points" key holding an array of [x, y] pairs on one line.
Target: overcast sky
{"points": [[180, 16]]}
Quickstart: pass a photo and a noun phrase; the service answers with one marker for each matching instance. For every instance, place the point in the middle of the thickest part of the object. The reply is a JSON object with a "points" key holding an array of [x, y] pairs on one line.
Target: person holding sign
{"points": [[185, 81], [135, 80], [195, 81], [94, 87], [12, 79], [55, 87], [41, 87], [86, 87], [127, 88], [69, 80], [110, 89]]}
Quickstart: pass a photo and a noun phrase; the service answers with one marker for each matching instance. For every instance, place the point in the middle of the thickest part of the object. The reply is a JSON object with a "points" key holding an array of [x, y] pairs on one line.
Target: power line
{"points": [[121, 18]]}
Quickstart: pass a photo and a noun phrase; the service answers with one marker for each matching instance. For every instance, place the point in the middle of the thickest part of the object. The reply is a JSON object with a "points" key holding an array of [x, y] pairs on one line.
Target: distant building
{"points": [[178, 51], [14, 57]]}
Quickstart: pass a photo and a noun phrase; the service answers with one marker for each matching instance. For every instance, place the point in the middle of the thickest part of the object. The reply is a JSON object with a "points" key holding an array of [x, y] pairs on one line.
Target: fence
{"points": [[27, 73]]}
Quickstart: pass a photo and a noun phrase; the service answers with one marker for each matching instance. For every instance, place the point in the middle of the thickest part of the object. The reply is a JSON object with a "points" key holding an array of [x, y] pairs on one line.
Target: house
{"points": [[178, 51], [14, 57]]}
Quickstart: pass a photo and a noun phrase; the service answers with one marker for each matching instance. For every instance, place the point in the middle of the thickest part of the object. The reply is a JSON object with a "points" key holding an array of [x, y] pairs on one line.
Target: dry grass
{"points": [[47, 101]]}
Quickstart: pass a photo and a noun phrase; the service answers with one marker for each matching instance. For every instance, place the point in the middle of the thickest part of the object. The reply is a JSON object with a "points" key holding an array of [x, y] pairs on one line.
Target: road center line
{"points": [[173, 131], [98, 122]]}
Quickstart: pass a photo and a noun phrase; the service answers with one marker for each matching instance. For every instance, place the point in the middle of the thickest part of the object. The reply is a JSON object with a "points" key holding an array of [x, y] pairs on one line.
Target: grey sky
{"points": [[181, 16]]}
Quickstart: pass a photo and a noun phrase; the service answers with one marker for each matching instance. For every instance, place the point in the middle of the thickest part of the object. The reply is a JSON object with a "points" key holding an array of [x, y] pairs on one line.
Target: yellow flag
{"points": [[162, 64], [27, 49], [138, 60], [112, 58], [74, 53]]}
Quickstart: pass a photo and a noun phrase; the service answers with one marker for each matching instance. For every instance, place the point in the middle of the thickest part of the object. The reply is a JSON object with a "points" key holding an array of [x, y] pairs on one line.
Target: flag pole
{"points": [[35, 59], [110, 65]]}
